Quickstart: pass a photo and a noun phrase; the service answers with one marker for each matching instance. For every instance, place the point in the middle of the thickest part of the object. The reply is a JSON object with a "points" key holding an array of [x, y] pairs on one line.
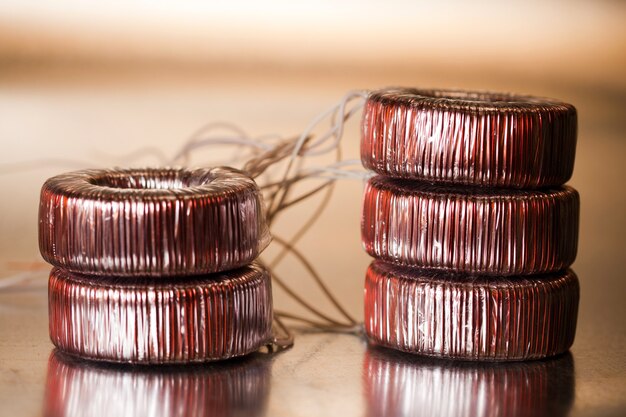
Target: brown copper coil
{"points": [[473, 230], [397, 384], [142, 320], [470, 138], [472, 318], [88, 389], [151, 222]]}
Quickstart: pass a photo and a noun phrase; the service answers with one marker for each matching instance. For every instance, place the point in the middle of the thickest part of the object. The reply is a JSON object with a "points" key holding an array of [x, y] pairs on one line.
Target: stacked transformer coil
{"points": [[471, 226], [155, 266]]}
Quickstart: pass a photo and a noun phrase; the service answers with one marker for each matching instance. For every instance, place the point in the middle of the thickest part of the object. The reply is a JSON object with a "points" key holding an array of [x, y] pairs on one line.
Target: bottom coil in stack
{"points": [[470, 317], [170, 320]]}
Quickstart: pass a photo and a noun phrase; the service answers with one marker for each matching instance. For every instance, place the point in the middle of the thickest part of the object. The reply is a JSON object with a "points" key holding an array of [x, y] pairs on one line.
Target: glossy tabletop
{"points": [[325, 373]]}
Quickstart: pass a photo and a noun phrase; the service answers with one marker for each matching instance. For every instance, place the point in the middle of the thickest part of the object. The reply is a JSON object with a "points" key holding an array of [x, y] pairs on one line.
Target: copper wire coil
{"points": [[397, 384], [469, 138], [151, 222], [143, 320], [470, 317], [87, 389], [473, 230]]}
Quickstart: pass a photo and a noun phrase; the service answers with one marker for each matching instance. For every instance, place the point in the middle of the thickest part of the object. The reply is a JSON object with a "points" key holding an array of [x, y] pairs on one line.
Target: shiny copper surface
{"points": [[471, 318], [473, 230], [233, 388], [470, 138], [398, 384], [156, 222], [143, 320]]}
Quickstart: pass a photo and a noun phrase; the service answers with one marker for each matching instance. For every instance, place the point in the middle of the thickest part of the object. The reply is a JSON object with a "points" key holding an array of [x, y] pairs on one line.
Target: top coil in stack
{"points": [[469, 138], [151, 222]]}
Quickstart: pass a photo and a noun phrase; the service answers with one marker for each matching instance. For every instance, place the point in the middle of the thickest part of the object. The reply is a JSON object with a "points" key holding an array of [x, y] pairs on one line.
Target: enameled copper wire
{"points": [[151, 222], [470, 318], [396, 384], [85, 389], [472, 230], [469, 138], [143, 320]]}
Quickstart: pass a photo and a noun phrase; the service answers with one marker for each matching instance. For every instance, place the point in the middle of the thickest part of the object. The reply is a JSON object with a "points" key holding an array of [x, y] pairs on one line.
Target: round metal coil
{"points": [[469, 138], [142, 320], [397, 384], [151, 222], [472, 230], [470, 318], [80, 388]]}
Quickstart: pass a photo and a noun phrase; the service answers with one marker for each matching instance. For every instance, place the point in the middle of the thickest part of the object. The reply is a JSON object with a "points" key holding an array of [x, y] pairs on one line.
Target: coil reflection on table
{"points": [[398, 384], [238, 387]]}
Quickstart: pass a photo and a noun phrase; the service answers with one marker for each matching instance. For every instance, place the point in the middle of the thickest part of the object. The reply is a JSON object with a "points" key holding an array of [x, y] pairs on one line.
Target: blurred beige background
{"points": [[86, 85], [83, 84]]}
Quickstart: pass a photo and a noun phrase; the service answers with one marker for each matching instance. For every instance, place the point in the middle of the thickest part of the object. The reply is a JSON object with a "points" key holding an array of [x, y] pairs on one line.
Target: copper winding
{"points": [[151, 222], [178, 320], [469, 138], [80, 388], [396, 384], [470, 318], [461, 229]]}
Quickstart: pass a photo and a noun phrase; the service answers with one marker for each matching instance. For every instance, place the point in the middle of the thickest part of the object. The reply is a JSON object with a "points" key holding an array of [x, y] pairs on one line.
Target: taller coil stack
{"points": [[471, 226]]}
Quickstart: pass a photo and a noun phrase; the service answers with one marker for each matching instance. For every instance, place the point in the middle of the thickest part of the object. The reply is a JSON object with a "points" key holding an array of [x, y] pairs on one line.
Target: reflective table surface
{"points": [[333, 374], [323, 374]]}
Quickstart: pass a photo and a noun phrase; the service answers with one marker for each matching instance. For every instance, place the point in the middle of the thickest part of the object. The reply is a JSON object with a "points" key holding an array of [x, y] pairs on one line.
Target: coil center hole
{"points": [[145, 180], [470, 96]]}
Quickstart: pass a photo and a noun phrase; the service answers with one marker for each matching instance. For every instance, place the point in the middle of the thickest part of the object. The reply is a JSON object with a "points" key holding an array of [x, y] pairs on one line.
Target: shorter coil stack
{"points": [[156, 266], [471, 226]]}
